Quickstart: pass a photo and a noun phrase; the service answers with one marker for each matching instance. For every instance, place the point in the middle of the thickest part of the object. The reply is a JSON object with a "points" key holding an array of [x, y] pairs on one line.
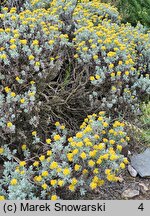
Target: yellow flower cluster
{"points": [[94, 154], [13, 182], [94, 150], [91, 148]]}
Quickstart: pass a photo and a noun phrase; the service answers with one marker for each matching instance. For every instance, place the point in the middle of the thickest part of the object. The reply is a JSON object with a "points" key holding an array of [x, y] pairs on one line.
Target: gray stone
{"points": [[129, 193], [143, 187], [120, 179], [129, 153], [132, 171], [141, 163]]}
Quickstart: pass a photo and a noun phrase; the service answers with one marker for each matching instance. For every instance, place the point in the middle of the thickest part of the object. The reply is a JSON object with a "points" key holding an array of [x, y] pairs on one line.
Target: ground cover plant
{"points": [[60, 62]]}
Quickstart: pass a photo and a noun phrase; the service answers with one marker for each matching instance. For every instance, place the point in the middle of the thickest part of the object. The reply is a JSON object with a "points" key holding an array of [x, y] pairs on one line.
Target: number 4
{"points": [[141, 207]]}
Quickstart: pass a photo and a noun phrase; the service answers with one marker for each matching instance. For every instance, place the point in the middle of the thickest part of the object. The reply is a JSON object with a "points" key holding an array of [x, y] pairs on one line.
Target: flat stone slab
{"points": [[141, 163]]}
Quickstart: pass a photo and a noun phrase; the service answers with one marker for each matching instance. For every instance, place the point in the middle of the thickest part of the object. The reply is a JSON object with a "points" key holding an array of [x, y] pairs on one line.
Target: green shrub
{"points": [[145, 120], [133, 11], [139, 130], [146, 114]]}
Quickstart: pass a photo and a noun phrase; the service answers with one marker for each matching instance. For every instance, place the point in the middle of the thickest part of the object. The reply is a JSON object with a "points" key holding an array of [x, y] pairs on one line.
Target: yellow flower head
{"points": [[7, 89], [92, 153], [76, 56], [125, 160], [122, 166], [2, 198], [113, 157], [57, 124], [54, 197], [66, 171], [9, 124], [3, 56], [42, 158], [13, 46], [71, 187], [44, 186], [70, 157], [48, 141], [92, 78], [85, 49], [119, 148], [111, 177], [22, 100], [17, 78], [12, 41], [105, 124], [60, 183], [39, 178], [34, 133], [93, 185], [79, 135], [112, 142], [13, 94], [74, 181], [83, 155], [32, 82], [127, 73], [49, 153], [22, 163], [53, 165], [50, 42], [24, 42], [85, 171], [31, 57], [13, 182], [95, 57], [112, 74], [53, 182], [91, 163], [35, 42], [97, 76], [57, 137], [77, 167], [1, 150], [37, 63], [70, 139], [79, 144], [45, 173], [96, 171], [36, 163], [75, 151], [111, 66]]}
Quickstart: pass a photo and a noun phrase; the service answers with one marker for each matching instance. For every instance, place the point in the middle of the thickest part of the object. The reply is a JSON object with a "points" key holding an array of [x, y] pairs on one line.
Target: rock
{"points": [[132, 171], [129, 193], [129, 153], [143, 188], [120, 179], [141, 163]]}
